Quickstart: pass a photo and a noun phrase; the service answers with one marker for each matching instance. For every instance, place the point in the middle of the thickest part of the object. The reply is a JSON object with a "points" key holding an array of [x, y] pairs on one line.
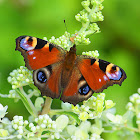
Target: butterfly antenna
{"points": [[70, 38], [93, 33], [65, 25]]}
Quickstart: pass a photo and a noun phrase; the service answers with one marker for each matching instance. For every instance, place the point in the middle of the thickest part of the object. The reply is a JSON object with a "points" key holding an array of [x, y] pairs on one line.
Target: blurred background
{"points": [[118, 42]]}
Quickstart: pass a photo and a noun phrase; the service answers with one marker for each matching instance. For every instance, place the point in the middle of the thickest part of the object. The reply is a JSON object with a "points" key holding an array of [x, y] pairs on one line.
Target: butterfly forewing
{"points": [[100, 74], [38, 53]]}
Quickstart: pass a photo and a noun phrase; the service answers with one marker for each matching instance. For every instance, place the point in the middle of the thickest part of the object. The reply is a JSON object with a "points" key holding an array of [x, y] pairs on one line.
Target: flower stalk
{"points": [[47, 106]]}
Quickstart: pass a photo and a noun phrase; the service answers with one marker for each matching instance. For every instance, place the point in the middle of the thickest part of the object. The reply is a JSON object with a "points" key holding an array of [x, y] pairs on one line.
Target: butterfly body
{"points": [[56, 71]]}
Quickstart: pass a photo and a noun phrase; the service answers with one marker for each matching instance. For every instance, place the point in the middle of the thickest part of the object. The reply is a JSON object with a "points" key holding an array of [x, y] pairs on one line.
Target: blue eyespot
{"points": [[115, 76], [41, 77], [84, 89], [24, 45]]}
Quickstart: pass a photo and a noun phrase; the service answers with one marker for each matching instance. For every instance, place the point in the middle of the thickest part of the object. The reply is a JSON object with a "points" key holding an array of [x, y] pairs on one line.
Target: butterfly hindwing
{"points": [[48, 80], [77, 88], [38, 53]]}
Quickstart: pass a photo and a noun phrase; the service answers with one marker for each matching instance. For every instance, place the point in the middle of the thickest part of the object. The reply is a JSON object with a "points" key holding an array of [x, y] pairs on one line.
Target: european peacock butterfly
{"points": [[56, 71]]}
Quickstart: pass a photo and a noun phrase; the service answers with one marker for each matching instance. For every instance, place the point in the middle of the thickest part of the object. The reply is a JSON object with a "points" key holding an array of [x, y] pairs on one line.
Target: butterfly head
{"points": [[73, 49]]}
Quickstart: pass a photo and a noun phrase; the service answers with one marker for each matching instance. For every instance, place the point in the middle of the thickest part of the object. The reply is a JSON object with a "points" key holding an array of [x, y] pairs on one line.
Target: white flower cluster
{"points": [[93, 107], [5, 125], [42, 124], [20, 77], [88, 16], [91, 53], [6, 128], [19, 125], [63, 41], [134, 105], [82, 132]]}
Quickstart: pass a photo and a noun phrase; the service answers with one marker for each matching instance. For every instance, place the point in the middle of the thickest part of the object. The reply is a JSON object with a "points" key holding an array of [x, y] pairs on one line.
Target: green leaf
{"points": [[73, 115], [25, 102]]}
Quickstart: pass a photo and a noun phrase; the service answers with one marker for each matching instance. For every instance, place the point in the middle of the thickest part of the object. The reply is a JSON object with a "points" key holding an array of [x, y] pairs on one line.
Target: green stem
{"points": [[133, 129], [137, 112], [98, 123], [86, 25], [4, 95], [34, 87], [84, 28], [47, 106], [55, 111]]}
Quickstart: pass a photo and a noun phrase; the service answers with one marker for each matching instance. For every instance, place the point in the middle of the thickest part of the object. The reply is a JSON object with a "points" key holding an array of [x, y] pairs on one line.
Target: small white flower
{"points": [[33, 128], [138, 101], [129, 104], [40, 117], [42, 125], [49, 120], [91, 115], [26, 122], [27, 80], [52, 136], [20, 122], [109, 104], [139, 90], [3, 111], [86, 108], [20, 117], [46, 116], [15, 126], [20, 127], [37, 127], [45, 121], [36, 120], [20, 131], [57, 135], [31, 125], [53, 125], [19, 136]]}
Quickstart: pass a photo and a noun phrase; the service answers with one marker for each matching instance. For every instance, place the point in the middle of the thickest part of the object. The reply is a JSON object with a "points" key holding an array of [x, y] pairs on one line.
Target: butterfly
{"points": [[63, 74]]}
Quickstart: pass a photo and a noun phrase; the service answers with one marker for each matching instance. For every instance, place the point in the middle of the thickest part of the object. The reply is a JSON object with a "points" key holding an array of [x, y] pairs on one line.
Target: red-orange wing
{"points": [[100, 74], [71, 91], [38, 53], [48, 80], [90, 75]]}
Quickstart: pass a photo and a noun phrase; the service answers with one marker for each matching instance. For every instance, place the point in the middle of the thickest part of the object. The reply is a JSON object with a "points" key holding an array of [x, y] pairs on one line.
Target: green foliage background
{"points": [[118, 42]]}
